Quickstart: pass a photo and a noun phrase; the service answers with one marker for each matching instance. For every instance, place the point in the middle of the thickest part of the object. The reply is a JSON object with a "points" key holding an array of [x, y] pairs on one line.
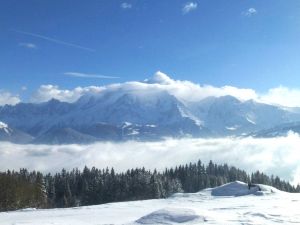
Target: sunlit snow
{"points": [[268, 206]]}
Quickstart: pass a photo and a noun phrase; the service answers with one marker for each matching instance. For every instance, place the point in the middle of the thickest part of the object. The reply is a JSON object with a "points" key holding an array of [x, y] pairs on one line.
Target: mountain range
{"points": [[141, 114]]}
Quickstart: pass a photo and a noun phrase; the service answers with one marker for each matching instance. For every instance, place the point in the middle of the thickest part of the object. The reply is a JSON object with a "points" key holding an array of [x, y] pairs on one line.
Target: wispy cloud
{"points": [[87, 75], [126, 5], [189, 6], [28, 45], [23, 88], [249, 12], [54, 40]]}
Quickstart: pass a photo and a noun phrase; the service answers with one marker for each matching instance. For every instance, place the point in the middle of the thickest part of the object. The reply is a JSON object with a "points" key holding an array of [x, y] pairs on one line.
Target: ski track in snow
{"points": [[198, 208]]}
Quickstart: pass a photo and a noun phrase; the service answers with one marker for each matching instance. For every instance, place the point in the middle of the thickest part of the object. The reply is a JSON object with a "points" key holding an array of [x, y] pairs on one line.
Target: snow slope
{"points": [[227, 115], [269, 207], [13, 135], [239, 189], [114, 108]]}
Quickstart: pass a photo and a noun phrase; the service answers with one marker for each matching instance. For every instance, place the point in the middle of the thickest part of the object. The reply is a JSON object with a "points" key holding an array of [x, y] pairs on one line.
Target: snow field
{"points": [[231, 205]]}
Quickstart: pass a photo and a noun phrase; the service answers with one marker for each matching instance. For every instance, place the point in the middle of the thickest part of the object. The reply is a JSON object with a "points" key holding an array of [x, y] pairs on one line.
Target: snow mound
{"points": [[269, 190], [26, 210], [239, 188], [171, 216]]}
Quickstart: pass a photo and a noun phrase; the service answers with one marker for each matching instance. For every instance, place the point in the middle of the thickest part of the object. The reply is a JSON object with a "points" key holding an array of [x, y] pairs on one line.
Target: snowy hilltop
{"points": [[147, 110], [232, 203], [239, 188]]}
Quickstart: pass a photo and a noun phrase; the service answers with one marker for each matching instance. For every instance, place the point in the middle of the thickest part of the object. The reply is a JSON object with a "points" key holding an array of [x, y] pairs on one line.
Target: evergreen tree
{"points": [[25, 189]]}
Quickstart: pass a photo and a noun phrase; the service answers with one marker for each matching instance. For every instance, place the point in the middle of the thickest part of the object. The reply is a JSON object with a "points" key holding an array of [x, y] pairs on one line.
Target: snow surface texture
{"points": [[269, 207], [170, 215]]}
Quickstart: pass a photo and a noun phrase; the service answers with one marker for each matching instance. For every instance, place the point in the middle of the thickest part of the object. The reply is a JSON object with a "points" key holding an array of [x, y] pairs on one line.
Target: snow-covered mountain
{"points": [[232, 203], [64, 136], [13, 135], [142, 111], [280, 130], [133, 114], [227, 115]]}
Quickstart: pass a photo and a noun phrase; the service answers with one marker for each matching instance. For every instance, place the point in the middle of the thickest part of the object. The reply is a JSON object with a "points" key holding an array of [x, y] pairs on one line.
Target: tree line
{"points": [[24, 189]]}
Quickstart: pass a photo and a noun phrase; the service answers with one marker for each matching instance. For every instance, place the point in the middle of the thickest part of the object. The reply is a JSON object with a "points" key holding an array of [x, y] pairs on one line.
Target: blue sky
{"points": [[243, 43]]}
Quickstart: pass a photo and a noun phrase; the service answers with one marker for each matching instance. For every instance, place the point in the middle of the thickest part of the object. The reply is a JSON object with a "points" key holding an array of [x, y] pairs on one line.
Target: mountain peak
{"points": [[53, 101], [160, 78], [228, 98]]}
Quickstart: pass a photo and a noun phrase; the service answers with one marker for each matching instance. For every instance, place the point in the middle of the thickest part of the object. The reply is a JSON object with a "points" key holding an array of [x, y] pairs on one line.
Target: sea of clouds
{"points": [[279, 156]]}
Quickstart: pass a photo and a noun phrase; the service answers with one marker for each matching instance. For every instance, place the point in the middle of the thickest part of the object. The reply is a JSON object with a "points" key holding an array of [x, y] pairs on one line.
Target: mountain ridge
{"points": [[150, 114]]}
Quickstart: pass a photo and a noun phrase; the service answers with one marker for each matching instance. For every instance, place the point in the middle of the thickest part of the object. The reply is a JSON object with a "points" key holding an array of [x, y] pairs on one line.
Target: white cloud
{"points": [[189, 91], [28, 45], [8, 98], [282, 96], [160, 78], [87, 75], [126, 5], [249, 12], [249, 154], [47, 92], [189, 6], [182, 89]]}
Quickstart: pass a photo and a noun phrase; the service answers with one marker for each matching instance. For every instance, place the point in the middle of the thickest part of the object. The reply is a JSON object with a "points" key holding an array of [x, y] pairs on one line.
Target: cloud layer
{"points": [[250, 154], [182, 89]]}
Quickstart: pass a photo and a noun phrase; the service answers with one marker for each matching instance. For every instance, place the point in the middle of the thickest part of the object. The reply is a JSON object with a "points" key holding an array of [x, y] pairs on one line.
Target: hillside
{"points": [[269, 207]]}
